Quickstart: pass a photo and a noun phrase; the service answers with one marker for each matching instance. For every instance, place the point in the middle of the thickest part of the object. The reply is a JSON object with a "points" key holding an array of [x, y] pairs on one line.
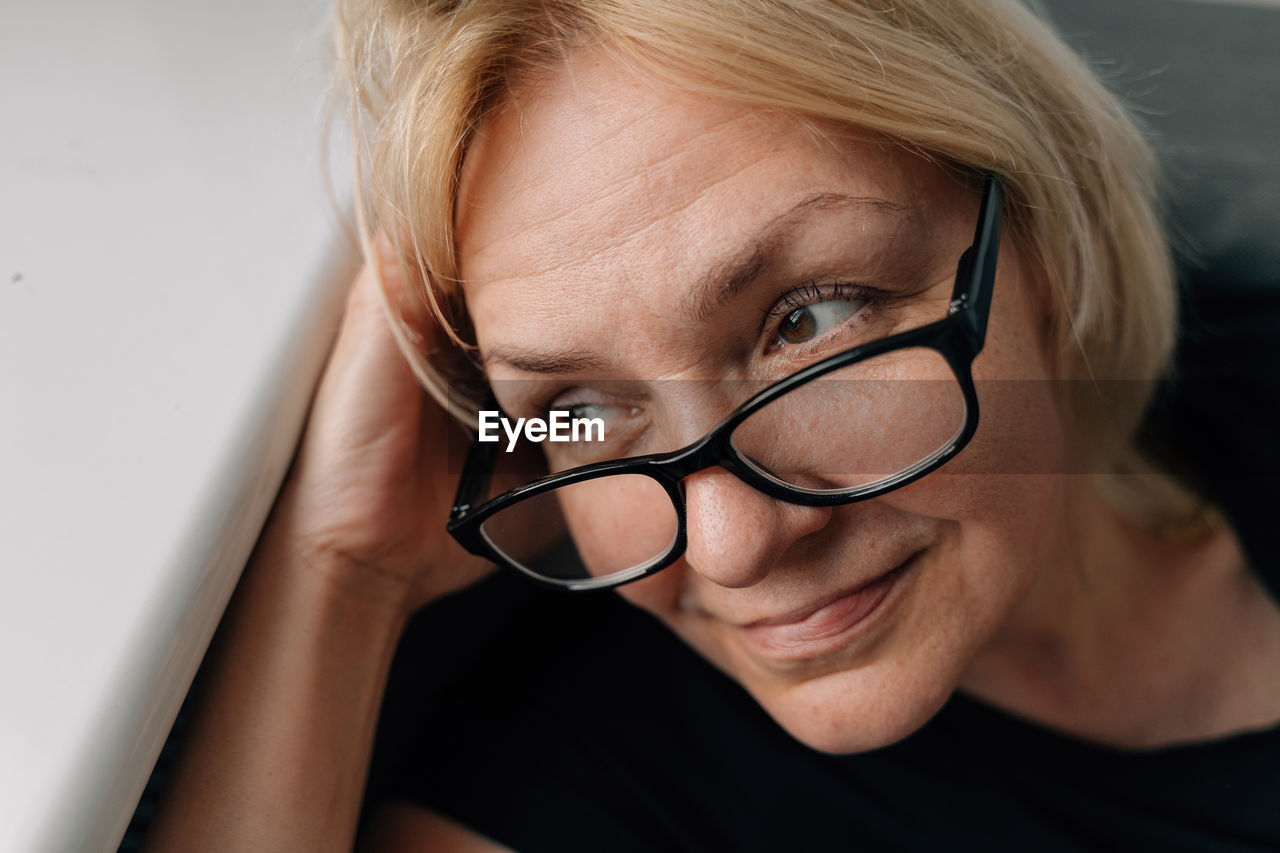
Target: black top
{"points": [[588, 726]]}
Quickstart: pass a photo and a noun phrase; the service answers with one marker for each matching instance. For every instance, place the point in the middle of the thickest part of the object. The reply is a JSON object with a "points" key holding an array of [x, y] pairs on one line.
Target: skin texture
{"points": [[604, 254]]}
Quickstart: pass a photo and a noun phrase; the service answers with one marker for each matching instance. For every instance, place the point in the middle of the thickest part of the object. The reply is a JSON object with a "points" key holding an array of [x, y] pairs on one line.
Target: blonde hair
{"points": [[982, 85]]}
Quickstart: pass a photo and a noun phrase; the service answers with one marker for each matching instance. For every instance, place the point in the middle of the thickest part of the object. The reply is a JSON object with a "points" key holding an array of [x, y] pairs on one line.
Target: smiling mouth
{"points": [[823, 627]]}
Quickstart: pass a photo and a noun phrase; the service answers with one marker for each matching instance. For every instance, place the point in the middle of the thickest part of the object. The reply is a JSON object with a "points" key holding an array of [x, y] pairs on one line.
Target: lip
{"points": [[825, 625]]}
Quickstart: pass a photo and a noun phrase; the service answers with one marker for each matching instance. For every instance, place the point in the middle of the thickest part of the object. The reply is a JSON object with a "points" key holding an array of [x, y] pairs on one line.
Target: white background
{"points": [[171, 271]]}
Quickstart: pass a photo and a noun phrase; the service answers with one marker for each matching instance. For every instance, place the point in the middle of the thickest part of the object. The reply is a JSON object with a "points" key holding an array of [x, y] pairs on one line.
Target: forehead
{"points": [[603, 193]]}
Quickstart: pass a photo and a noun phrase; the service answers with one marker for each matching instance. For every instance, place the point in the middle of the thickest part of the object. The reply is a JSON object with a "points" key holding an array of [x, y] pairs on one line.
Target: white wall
{"points": [[169, 283]]}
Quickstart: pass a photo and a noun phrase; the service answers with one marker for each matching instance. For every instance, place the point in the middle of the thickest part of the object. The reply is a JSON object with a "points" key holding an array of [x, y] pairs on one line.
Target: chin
{"points": [[853, 711]]}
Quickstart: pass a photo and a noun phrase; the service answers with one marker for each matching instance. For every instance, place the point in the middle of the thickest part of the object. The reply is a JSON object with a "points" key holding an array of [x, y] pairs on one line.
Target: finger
{"points": [[368, 393]]}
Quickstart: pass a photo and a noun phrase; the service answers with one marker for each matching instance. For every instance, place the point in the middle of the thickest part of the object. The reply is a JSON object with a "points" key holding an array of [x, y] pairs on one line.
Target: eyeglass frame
{"points": [[958, 337]]}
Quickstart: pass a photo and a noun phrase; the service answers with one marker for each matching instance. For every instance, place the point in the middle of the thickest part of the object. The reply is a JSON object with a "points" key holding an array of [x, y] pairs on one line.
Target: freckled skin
{"points": [[588, 210]]}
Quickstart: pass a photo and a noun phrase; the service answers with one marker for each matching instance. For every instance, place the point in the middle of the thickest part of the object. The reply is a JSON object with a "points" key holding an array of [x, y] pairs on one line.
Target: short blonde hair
{"points": [[980, 85]]}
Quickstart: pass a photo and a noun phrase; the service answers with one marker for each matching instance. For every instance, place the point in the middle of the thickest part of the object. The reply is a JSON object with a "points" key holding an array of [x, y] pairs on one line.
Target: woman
{"points": [[646, 213]]}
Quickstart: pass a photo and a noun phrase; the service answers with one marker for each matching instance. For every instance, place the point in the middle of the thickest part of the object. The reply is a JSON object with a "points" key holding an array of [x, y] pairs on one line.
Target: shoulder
{"points": [[509, 712], [580, 724]]}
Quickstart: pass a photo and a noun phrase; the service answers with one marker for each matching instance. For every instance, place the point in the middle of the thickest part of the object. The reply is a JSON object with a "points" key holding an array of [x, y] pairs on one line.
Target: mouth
{"points": [[826, 625]]}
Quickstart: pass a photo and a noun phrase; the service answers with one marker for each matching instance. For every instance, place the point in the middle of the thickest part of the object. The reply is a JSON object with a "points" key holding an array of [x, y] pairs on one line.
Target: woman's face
{"points": [[615, 233]]}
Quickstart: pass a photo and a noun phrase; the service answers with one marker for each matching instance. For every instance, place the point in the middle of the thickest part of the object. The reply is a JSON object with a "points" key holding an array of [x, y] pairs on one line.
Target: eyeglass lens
{"points": [[850, 430], [858, 427], [611, 526]]}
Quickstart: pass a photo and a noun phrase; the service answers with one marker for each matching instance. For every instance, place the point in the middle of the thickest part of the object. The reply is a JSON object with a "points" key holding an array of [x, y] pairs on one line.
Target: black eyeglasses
{"points": [[847, 428]]}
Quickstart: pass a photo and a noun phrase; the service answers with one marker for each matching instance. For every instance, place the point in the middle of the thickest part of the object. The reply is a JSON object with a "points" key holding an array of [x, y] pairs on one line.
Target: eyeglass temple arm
{"points": [[473, 485], [976, 271]]}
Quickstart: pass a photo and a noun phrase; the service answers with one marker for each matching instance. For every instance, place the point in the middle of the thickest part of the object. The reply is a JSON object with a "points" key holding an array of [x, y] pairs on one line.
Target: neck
{"points": [[1135, 642]]}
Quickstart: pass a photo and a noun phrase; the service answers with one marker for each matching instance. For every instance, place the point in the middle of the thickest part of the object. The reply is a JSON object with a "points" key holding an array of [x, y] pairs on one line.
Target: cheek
{"points": [[997, 508], [999, 517], [658, 594], [1000, 529], [1005, 491], [998, 532], [1002, 499], [619, 522], [994, 534]]}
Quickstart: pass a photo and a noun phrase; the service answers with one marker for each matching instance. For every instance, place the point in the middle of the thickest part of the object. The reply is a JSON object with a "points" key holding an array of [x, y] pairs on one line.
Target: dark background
{"points": [[1204, 79]]}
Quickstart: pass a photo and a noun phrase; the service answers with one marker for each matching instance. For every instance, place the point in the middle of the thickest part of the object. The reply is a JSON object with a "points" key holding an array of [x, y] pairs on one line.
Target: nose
{"points": [[737, 534]]}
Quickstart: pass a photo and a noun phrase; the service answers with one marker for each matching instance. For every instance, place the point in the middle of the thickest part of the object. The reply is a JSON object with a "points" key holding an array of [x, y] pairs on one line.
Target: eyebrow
{"points": [[722, 282], [535, 361], [729, 278]]}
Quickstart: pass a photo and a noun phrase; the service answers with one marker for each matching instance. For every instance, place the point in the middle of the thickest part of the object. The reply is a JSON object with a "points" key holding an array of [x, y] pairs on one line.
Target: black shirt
{"points": [[587, 726]]}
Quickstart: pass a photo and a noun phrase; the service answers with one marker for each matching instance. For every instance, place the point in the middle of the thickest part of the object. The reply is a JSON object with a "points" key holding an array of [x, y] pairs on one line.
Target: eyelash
{"points": [[811, 293], [808, 293], [544, 405]]}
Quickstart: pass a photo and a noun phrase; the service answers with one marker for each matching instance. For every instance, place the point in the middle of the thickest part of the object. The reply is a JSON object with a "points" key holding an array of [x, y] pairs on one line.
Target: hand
{"points": [[366, 501]]}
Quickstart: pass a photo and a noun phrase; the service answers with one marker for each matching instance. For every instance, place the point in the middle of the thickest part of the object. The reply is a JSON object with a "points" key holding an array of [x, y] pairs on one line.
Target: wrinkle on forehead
{"points": [[572, 209], [607, 190], [543, 141]]}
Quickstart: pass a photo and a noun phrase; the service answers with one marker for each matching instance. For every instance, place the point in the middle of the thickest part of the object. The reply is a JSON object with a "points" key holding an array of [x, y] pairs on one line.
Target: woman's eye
{"points": [[590, 410], [812, 322], [582, 409], [601, 422], [597, 431]]}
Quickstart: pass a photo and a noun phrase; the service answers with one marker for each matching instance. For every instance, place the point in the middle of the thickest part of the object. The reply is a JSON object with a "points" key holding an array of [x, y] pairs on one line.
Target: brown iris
{"points": [[798, 327]]}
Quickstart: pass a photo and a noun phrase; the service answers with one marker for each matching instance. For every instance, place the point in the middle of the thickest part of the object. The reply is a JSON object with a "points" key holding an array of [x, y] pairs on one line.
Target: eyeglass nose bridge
{"points": [[713, 450]]}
